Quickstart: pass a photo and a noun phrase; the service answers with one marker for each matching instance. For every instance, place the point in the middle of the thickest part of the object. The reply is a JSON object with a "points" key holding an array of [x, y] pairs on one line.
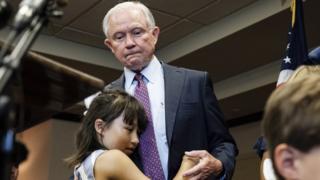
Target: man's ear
{"points": [[108, 43], [286, 161], [99, 126], [155, 33]]}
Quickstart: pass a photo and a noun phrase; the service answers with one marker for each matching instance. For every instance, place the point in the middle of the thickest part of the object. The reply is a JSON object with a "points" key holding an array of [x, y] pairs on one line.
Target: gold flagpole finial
{"points": [[293, 11]]}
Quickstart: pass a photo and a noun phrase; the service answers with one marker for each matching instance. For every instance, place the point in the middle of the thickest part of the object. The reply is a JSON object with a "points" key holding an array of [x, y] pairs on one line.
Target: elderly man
{"points": [[183, 112]]}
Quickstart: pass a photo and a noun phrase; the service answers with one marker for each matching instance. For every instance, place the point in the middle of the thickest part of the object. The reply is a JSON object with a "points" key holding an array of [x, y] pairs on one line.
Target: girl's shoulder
{"points": [[110, 164], [110, 156]]}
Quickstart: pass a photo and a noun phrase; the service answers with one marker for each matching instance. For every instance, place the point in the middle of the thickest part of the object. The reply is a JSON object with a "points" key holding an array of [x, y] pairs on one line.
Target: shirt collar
{"points": [[149, 72]]}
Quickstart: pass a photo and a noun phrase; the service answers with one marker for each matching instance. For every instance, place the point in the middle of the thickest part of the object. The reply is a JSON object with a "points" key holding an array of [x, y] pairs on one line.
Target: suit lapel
{"points": [[117, 84], [173, 82]]}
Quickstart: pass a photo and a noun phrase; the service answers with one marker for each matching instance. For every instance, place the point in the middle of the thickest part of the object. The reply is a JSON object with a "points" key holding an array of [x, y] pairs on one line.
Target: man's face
{"points": [[130, 39]]}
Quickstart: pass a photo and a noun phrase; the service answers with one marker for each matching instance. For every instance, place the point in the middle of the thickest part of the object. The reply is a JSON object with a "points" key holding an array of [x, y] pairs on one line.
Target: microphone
{"points": [[27, 10], [5, 12]]}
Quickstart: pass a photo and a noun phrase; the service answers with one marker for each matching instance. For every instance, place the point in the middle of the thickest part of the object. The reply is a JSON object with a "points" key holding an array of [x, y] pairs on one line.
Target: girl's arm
{"points": [[114, 164], [187, 163]]}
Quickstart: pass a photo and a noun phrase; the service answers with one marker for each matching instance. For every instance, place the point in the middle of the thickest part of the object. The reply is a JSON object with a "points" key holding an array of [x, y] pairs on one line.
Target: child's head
{"points": [[113, 121], [291, 125], [303, 71]]}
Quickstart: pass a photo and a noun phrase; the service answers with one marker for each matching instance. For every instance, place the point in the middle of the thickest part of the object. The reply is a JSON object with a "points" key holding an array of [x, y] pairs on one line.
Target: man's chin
{"points": [[136, 64], [134, 67], [137, 69]]}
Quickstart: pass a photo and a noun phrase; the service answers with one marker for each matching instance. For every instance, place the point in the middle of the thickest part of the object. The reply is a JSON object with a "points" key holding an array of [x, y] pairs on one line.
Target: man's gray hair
{"points": [[128, 5]]}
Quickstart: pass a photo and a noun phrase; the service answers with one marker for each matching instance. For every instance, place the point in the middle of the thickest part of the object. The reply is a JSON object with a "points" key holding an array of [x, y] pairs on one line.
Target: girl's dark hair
{"points": [[106, 106]]}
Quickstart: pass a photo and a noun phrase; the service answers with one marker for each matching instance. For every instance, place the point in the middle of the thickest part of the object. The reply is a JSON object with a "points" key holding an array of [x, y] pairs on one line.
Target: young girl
{"points": [[108, 134]]}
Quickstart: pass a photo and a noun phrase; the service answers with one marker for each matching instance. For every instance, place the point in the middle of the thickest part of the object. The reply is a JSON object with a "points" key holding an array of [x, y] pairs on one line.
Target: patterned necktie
{"points": [[148, 147]]}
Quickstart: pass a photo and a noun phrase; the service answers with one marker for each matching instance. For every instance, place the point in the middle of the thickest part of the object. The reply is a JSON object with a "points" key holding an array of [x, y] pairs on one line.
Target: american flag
{"points": [[296, 50]]}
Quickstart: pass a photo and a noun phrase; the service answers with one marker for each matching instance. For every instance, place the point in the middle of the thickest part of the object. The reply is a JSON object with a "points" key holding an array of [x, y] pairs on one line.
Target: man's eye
{"points": [[118, 37], [137, 32]]}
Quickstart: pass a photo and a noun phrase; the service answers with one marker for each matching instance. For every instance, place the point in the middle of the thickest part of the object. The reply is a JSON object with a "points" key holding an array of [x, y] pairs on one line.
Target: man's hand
{"points": [[206, 166]]}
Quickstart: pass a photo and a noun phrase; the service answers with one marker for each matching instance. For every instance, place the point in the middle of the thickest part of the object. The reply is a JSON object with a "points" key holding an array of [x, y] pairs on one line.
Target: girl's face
{"points": [[121, 136]]}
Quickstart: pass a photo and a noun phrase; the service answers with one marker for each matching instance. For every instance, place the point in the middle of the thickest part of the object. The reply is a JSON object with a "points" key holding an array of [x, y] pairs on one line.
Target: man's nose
{"points": [[130, 43]]}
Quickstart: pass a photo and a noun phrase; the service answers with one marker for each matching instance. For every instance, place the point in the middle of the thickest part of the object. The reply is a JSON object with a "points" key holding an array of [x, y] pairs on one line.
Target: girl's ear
{"points": [[99, 125]]}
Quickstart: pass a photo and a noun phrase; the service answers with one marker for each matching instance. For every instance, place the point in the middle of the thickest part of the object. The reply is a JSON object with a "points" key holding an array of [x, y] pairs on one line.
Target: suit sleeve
{"points": [[221, 144]]}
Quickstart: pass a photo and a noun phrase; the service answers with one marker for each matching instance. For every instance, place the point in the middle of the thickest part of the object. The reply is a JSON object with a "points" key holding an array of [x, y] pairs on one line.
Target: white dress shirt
{"points": [[154, 79]]}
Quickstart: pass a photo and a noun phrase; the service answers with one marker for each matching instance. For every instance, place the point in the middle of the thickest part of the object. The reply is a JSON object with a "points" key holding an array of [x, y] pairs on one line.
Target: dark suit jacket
{"points": [[194, 120]]}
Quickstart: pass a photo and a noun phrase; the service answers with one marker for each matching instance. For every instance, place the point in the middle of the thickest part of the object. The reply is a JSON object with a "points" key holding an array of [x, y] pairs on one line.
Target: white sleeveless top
{"points": [[84, 171]]}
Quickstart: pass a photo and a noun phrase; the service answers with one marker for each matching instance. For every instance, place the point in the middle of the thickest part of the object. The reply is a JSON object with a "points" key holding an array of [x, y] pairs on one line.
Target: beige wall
{"points": [[247, 161], [63, 140], [48, 143], [53, 140], [37, 141]]}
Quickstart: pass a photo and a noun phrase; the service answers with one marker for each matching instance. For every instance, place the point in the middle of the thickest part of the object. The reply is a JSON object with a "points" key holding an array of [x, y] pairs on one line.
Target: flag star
{"points": [[289, 33], [287, 60], [288, 46]]}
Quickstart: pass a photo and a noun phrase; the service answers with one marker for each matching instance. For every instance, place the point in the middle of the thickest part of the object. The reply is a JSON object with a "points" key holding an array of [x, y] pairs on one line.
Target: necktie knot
{"points": [[139, 77]]}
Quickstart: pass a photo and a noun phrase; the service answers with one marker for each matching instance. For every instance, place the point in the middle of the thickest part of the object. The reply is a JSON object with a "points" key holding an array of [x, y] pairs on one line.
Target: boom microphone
{"points": [[28, 9]]}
